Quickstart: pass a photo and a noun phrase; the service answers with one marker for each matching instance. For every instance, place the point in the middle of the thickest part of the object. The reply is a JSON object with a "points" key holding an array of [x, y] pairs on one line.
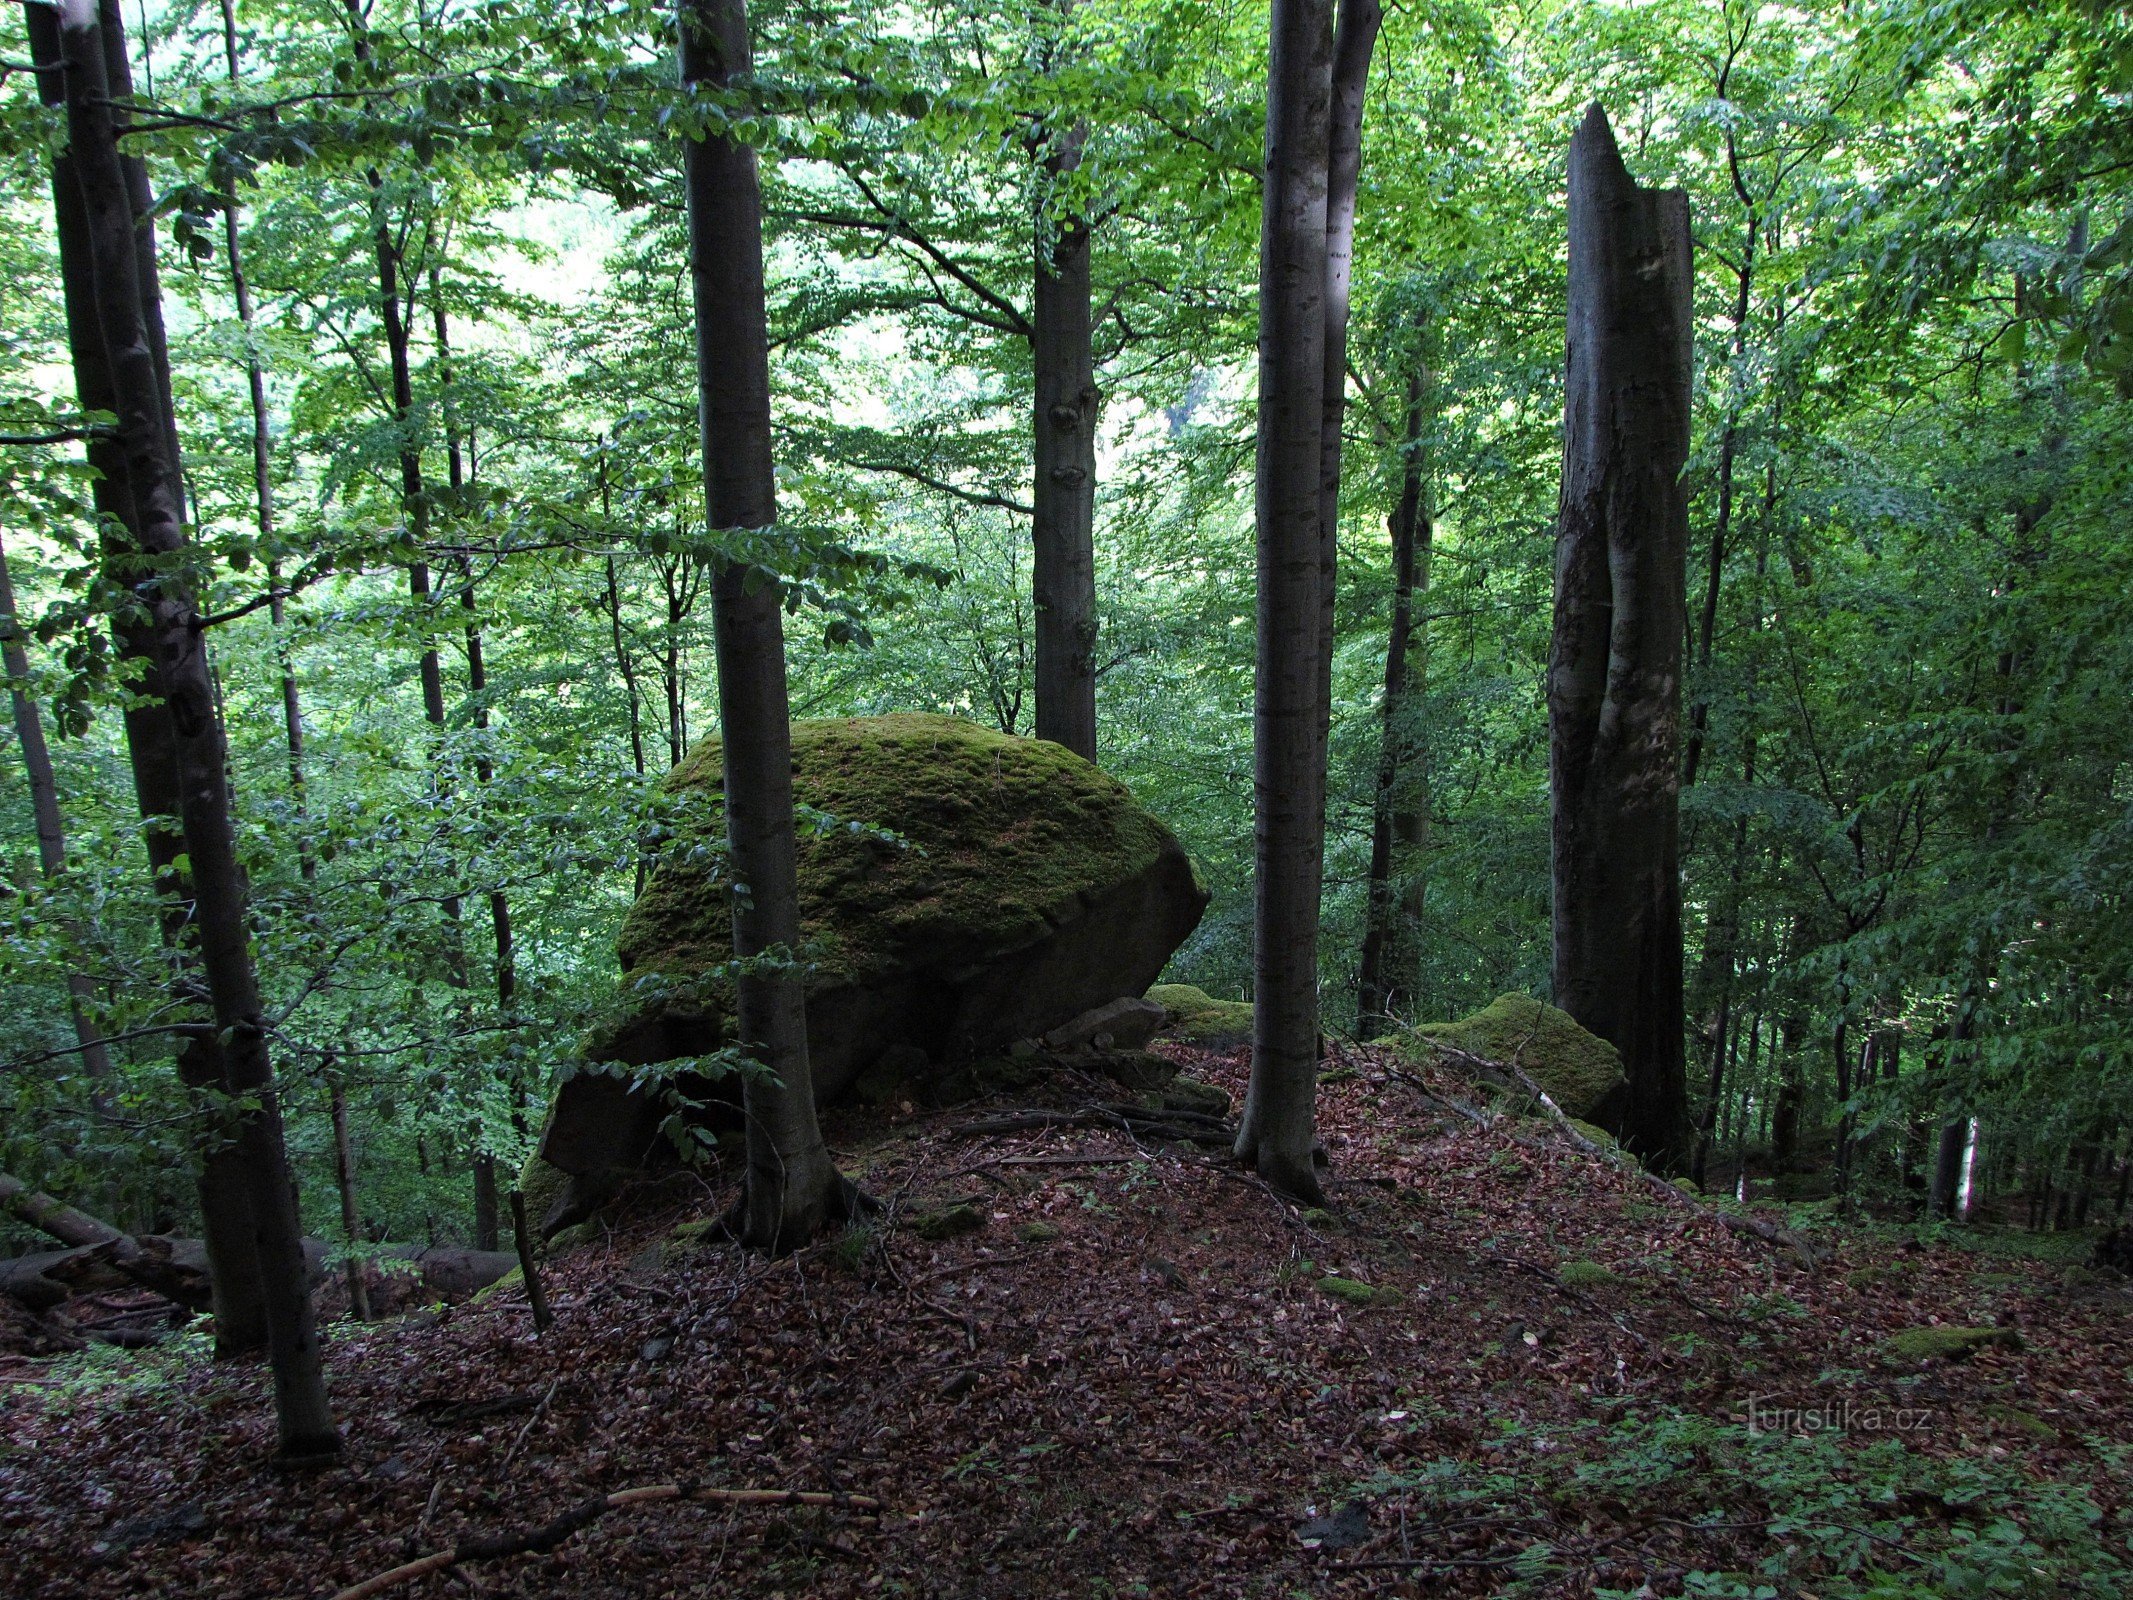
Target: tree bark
{"points": [[1063, 529], [51, 826], [220, 897], [1355, 36], [222, 1185], [487, 1221], [1399, 822], [791, 1189], [1614, 679], [1276, 1131], [351, 1212]]}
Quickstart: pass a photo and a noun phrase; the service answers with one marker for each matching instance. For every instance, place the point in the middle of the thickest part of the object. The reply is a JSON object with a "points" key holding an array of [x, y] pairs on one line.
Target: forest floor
{"points": [[1497, 1365]]}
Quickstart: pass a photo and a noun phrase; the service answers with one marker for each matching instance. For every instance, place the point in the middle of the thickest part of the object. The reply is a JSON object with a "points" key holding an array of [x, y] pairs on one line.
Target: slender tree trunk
{"points": [[791, 1189], [487, 1218], [1399, 823], [1063, 571], [351, 1212], [1276, 1132], [1614, 680], [222, 1186], [51, 828], [1355, 36], [146, 431]]}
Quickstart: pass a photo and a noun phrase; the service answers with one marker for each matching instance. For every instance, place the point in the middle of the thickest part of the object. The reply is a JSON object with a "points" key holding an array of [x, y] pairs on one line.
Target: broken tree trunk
{"points": [[153, 1263], [1614, 664]]}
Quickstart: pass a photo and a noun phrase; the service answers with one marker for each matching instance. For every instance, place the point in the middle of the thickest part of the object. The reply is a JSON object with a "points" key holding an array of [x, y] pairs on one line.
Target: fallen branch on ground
{"points": [[528, 1541], [149, 1263], [1189, 1127]]}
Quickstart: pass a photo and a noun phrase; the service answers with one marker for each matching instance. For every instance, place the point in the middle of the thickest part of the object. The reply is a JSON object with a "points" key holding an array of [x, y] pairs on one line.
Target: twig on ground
{"points": [[538, 1412], [550, 1534]]}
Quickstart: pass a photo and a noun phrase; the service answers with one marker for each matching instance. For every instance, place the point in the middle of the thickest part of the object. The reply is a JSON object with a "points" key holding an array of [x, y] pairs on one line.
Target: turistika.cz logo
{"points": [[1772, 1413]]}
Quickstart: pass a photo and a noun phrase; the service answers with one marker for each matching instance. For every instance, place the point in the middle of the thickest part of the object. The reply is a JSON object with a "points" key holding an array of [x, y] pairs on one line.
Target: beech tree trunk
{"points": [[1276, 1131], [220, 894], [223, 1184], [1355, 36], [1614, 669], [487, 1218], [791, 1188], [1399, 823], [1063, 529]]}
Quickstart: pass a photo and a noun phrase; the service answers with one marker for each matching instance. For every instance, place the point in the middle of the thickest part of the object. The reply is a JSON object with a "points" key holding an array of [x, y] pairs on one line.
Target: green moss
{"points": [[1356, 1294], [1191, 1094], [1585, 1275], [504, 1285], [542, 1186], [1197, 1017], [1577, 1069], [2016, 1420], [1914, 1345], [948, 1224], [1037, 1233], [1597, 1134], [571, 1237], [1001, 838]]}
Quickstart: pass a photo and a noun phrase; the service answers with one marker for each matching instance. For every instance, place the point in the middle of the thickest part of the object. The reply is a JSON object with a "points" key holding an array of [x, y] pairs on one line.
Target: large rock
{"points": [[965, 891], [1581, 1072]]}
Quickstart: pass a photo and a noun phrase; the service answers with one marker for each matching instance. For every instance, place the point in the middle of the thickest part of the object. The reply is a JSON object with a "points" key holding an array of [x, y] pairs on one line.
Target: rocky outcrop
{"points": [[960, 890], [1581, 1072]]}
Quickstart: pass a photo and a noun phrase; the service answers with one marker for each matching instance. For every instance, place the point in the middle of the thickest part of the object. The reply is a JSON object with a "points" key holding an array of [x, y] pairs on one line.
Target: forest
{"points": [[1099, 797]]}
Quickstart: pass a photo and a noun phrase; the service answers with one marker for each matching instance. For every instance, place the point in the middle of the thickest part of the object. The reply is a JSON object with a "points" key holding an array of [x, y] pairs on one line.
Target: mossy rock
{"points": [[950, 1223], [1915, 1345], [686, 1239], [1037, 1232], [1350, 1292], [571, 1237], [975, 889], [1597, 1134], [1198, 1018], [543, 1188], [1580, 1071], [504, 1285], [1585, 1275], [1192, 1094]]}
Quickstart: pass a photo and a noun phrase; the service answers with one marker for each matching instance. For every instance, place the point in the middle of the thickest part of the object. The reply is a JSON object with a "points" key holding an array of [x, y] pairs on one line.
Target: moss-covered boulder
{"points": [[1580, 1071], [964, 890], [1938, 1342], [1197, 1017]]}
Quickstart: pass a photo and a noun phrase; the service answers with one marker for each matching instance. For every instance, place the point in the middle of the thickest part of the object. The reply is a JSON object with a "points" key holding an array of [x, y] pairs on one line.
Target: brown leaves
{"points": [[1127, 1373]]}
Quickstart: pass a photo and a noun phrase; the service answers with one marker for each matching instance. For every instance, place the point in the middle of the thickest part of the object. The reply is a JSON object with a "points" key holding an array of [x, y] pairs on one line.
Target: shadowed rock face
{"points": [[961, 890]]}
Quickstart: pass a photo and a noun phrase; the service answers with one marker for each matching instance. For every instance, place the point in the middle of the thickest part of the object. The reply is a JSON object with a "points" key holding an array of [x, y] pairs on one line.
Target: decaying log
{"points": [[153, 1263], [527, 1541], [100, 1256]]}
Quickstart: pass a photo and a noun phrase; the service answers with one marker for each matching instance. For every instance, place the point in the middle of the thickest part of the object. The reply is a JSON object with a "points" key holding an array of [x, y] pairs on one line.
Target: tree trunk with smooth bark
{"points": [[1063, 528], [1399, 822], [1614, 670], [223, 1184], [791, 1190], [220, 894], [1276, 1132]]}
